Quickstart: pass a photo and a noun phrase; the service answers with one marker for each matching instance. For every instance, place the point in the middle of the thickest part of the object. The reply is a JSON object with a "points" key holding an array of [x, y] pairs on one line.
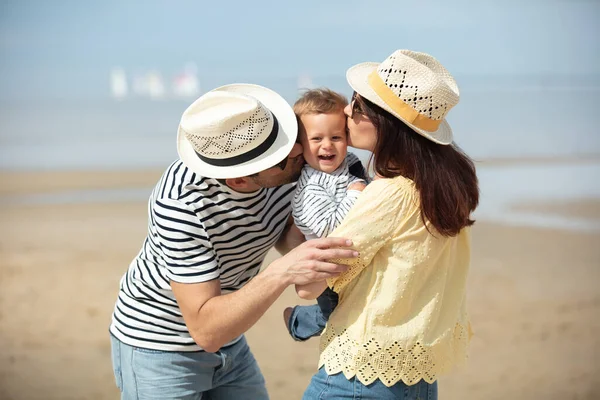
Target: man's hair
{"points": [[319, 101]]}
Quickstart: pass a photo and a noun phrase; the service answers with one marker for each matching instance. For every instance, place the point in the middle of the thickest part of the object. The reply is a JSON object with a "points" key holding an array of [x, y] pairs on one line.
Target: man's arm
{"points": [[214, 319], [290, 238]]}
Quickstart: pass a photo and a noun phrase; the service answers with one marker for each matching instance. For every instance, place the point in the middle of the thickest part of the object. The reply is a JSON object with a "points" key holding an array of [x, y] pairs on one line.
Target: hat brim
{"points": [[279, 150], [357, 77]]}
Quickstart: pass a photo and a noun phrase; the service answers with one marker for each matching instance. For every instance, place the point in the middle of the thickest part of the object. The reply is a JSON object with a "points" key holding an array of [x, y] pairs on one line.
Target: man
{"points": [[194, 288]]}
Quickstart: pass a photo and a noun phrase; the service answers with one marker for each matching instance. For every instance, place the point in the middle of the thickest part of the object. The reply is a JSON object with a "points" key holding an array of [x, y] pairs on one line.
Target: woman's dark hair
{"points": [[444, 176]]}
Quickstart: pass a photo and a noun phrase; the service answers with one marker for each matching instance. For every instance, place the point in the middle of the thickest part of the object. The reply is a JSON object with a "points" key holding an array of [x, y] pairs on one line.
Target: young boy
{"points": [[329, 184]]}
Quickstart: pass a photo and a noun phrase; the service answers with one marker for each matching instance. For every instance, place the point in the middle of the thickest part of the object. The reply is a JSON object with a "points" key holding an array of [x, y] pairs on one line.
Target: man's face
{"points": [[276, 176]]}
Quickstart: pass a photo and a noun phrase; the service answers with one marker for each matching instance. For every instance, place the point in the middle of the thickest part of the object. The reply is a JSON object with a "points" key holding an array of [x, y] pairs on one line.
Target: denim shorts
{"points": [[229, 374], [330, 387], [309, 321]]}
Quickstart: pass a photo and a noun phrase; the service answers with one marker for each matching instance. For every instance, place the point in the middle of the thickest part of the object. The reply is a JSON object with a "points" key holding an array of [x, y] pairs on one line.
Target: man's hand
{"points": [[214, 319], [310, 263]]}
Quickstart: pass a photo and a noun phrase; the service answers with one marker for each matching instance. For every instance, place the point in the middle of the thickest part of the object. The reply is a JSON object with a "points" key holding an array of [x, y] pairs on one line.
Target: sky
{"points": [[60, 48]]}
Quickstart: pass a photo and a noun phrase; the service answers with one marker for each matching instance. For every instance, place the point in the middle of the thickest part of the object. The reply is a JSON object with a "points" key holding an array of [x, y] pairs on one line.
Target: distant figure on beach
{"points": [[194, 288], [401, 320], [328, 186]]}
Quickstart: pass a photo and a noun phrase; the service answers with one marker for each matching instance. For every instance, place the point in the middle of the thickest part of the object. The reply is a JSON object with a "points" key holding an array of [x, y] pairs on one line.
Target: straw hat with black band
{"points": [[236, 130]]}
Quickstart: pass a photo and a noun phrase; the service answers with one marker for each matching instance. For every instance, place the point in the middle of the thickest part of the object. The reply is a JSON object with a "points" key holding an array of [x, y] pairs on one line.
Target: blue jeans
{"points": [[229, 374], [323, 387], [308, 321]]}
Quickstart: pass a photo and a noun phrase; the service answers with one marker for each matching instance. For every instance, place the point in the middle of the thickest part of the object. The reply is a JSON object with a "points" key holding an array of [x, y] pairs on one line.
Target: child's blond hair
{"points": [[319, 101]]}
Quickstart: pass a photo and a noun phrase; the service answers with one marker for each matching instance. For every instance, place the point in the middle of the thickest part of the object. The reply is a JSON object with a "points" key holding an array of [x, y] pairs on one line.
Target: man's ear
{"points": [[239, 184]]}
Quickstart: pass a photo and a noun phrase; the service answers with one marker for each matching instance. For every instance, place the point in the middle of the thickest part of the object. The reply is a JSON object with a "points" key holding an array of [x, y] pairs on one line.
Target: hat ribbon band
{"points": [[249, 155], [408, 113]]}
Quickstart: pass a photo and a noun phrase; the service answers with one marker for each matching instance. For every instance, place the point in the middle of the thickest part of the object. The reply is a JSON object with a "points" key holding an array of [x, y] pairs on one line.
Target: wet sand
{"points": [[576, 209]]}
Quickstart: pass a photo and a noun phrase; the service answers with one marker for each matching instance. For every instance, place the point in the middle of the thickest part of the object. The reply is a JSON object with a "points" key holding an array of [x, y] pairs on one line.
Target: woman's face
{"points": [[362, 134]]}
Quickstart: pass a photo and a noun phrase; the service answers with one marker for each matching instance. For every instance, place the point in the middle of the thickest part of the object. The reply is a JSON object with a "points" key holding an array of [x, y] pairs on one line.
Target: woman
{"points": [[401, 320]]}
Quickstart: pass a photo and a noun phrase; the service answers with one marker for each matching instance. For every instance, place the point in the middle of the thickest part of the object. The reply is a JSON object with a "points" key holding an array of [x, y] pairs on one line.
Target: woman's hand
{"points": [[360, 186]]}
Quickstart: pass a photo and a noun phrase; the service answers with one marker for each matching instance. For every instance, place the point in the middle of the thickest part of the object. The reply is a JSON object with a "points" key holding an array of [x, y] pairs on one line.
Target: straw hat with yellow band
{"points": [[412, 86]]}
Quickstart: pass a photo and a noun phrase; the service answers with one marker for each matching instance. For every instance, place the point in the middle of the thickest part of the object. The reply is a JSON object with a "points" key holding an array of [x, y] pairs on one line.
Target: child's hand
{"points": [[360, 186], [311, 291]]}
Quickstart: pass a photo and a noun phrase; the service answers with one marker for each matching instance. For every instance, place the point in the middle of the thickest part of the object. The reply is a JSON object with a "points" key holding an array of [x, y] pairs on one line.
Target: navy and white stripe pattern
{"points": [[322, 200], [198, 230]]}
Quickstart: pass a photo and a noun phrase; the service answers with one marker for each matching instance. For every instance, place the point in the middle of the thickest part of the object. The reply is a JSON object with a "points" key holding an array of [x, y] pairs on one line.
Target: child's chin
{"points": [[329, 167]]}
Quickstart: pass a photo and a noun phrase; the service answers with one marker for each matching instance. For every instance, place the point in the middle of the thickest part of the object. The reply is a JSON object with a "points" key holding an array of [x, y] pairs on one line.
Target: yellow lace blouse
{"points": [[401, 313]]}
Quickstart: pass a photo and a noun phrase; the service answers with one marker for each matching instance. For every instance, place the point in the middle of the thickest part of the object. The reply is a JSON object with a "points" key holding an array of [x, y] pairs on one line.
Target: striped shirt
{"points": [[322, 200], [198, 230]]}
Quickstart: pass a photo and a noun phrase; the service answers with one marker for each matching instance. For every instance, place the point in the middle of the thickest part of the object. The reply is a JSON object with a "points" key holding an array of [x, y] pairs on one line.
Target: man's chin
{"points": [[293, 177], [298, 165], [281, 180], [296, 176]]}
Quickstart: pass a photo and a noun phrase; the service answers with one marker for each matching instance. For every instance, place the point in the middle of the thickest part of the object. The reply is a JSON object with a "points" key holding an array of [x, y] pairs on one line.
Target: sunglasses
{"points": [[356, 106]]}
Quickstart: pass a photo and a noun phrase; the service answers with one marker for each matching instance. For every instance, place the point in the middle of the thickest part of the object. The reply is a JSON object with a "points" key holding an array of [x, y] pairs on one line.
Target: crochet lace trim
{"points": [[390, 364]]}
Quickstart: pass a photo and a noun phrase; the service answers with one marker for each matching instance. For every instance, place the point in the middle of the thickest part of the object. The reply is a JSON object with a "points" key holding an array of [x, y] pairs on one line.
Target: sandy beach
{"points": [[533, 298]]}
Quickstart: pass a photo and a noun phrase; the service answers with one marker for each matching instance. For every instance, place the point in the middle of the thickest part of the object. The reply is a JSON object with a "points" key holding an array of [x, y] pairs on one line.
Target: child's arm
{"points": [[322, 196], [312, 290]]}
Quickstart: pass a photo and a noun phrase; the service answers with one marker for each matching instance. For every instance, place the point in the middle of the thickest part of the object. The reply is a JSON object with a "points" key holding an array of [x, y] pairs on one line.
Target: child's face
{"points": [[324, 140]]}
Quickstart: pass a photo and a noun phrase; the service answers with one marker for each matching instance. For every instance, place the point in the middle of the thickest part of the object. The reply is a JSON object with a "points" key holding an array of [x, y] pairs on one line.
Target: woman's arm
{"points": [[371, 223]]}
